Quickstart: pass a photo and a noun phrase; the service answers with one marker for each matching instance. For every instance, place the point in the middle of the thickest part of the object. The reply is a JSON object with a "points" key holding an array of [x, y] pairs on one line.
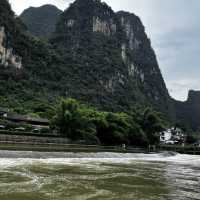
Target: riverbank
{"points": [[58, 144], [187, 149], [53, 147]]}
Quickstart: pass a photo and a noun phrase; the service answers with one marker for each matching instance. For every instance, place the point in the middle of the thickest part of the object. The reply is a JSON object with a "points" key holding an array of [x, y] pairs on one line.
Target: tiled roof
{"points": [[26, 118]]}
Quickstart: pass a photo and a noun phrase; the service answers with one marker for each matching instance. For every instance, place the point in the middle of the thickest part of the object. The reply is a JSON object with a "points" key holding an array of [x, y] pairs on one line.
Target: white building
{"points": [[172, 134], [165, 136]]}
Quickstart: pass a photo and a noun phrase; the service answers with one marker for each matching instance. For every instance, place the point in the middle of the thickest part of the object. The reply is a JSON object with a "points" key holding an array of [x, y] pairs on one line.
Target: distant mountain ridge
{"points": [[41, 21], [189, 111]]}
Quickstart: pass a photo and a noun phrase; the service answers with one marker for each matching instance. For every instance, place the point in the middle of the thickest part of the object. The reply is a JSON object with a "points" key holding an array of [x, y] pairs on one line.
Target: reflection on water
{"points": [[97, 176]]}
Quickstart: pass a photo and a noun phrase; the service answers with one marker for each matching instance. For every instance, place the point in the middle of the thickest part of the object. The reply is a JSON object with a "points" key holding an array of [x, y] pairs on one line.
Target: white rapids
{"points": [[95, 176]]}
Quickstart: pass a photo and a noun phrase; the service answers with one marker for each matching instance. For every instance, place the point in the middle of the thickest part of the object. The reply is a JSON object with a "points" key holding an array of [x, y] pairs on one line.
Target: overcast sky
{"points": [[174, 29]]}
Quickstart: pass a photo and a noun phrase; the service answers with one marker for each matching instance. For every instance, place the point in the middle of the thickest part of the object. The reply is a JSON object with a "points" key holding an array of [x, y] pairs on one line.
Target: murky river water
{"points": [[98, 176]]}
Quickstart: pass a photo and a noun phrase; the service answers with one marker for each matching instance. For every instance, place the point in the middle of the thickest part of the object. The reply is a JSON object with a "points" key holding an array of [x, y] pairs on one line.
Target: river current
{"points": [[98, 176]]}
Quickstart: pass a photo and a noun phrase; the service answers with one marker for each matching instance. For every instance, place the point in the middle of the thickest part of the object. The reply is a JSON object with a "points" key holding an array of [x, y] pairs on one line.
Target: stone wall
{"points": [[32, 139]]}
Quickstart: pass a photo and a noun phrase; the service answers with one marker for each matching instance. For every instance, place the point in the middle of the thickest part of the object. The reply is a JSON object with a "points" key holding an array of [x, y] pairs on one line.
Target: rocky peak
{"points": [[116, 48], [102, 16], [94, 6], [194, 96], [189, 111], [88, 15], [41, 21]]}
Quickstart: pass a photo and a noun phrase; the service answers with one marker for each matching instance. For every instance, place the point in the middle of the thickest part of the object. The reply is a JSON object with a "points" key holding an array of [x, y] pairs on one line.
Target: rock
{"points": [[189, 111], [7, 57]]}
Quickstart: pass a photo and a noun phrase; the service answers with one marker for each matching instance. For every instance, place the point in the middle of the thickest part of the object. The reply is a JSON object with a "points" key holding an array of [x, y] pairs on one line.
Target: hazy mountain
{"points": [[41, 21], [189, 111]]}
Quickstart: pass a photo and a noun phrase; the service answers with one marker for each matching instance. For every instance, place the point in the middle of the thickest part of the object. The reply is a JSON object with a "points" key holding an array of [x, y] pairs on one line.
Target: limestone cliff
{"points": [[7, 55], [140, 59], [26, 63], [114, 62], [96, 55]]}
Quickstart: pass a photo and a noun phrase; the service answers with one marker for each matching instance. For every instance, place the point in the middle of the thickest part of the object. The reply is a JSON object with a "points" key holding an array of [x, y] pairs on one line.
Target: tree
{"points": [[150, 121], [136, 135], [80, 122], [191, 139], [73, 122], [113, 129]]}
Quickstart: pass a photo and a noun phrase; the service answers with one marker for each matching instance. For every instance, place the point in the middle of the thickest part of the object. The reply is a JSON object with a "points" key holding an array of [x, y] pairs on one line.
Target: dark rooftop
{"points": [[27, 119]]}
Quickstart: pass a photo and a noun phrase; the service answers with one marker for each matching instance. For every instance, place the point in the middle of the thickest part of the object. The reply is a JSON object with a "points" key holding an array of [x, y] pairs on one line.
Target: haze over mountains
{"points": [[41, 21], [93, 54]]}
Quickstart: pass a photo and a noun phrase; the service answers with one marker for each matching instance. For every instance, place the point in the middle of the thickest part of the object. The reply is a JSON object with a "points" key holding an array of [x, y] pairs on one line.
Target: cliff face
{"points": [[41, 21], [115, 63], [25, 62], [140, 59], [7, 56], [189, 111], [8, 25]]}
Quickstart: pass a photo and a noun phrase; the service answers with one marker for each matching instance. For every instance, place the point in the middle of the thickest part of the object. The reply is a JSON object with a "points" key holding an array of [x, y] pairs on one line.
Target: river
{"points": [[98, 176]]}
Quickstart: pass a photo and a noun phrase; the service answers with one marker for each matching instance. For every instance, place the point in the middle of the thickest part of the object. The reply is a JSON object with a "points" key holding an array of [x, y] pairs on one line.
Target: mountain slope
{"points": [[95, 55], [41, 21], [27, 64], [114, 62], [189, 111]]}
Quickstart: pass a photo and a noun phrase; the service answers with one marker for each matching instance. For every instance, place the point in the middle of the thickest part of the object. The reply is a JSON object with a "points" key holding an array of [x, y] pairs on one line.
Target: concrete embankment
{"points": [[48, 143], [32, 139], [33, 143], [188, 149]]}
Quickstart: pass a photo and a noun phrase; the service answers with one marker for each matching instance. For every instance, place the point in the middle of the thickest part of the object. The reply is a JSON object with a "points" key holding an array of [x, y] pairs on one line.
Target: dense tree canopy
{"points": [[80, 122]]}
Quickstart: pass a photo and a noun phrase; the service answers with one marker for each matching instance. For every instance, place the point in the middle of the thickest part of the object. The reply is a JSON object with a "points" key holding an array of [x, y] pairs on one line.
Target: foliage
{"points": [[73, 123], [80, 122], [150, 121], [191, 139]]}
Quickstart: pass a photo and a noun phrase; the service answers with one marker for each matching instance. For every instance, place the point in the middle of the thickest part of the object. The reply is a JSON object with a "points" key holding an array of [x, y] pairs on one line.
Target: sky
{"points": [[174, 29]]}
